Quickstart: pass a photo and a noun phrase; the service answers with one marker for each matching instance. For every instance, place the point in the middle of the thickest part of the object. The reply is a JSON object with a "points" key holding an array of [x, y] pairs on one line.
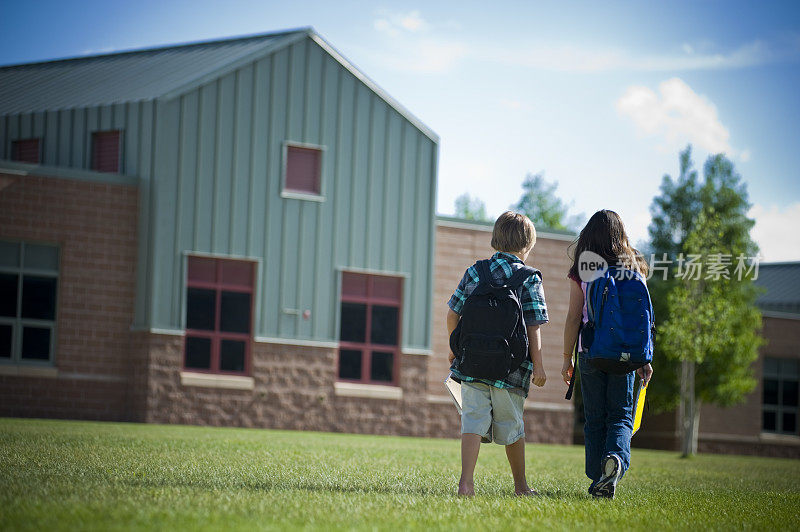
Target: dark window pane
{"points": [[769, 421], [381, 366], [105, 151], [231, 355], [5, 340], [9, 254], [384, 325], [200, 309], [789, 393], [35, 343], [789, 368], [354, 322], [26, 151], [770, 392], [41, 257], [38, 297], [8, 295], [789, 422], [349, 364], [771, 367], [303, 169], [198, 352], [235, 312]]}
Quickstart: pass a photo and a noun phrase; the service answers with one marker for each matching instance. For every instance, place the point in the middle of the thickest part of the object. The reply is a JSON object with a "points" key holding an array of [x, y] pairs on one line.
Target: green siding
{"points": [[66, 134], [220, 161]]}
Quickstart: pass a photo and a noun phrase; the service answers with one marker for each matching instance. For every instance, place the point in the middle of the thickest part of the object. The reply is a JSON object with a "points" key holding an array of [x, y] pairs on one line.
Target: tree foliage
{"points": [[540, 203], [714, 322], [470, 208], [709, 322]]}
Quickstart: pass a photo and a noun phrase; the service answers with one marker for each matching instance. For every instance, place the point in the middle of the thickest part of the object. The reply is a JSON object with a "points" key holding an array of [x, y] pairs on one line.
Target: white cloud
{"points": [[676, 113], [410, 46], [393, 24], [579, 58], [421, 56], [99, 51], [775, 231], [745, 156]]}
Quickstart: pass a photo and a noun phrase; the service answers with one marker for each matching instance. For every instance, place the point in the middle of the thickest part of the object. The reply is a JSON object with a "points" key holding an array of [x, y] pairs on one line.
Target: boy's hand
{"points": [[451, 357], [539, 376]]}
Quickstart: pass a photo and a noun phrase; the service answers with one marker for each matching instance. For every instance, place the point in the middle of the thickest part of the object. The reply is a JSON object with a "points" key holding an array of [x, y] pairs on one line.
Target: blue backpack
{"points": [[621, 329]]}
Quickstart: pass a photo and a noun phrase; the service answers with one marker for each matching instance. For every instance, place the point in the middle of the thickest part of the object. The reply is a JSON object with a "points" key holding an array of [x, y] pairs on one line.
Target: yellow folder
{"points": [[637, 418]]}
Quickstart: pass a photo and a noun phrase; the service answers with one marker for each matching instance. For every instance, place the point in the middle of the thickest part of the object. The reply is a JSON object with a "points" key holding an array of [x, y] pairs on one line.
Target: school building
{"points": [[766, 423], [243, 233], [238, 232]]}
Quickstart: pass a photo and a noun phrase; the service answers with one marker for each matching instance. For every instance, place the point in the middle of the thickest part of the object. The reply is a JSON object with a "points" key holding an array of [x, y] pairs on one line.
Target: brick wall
{"points": [[293, 389], [94, 225]]}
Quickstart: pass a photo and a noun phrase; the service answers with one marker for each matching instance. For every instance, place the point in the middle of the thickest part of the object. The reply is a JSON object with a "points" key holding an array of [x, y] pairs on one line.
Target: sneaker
{"points": [[607, 485]]}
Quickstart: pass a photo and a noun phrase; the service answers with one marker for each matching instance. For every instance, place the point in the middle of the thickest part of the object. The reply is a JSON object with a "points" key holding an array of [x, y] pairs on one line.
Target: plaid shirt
{"points": [[534, 310]]}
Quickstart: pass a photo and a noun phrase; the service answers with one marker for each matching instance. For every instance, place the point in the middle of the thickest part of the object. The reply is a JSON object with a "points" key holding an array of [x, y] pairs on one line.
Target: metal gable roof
{"points": [[163, 72], [125, 76], [782, 283]]}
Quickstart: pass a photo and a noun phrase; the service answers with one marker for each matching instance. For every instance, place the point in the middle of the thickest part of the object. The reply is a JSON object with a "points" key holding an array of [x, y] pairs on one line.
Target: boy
{"points": [[492, 409]]}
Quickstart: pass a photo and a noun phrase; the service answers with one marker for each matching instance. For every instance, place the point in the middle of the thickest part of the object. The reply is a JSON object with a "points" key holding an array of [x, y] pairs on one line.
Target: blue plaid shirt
{"points": [[534, 310]]}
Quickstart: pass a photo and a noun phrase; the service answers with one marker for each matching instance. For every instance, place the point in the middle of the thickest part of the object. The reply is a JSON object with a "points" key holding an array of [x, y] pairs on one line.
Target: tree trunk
{"points": [[689, 410]]}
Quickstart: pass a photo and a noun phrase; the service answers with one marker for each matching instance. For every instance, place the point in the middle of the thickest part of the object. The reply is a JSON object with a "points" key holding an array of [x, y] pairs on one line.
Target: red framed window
{"points": [[303, 170], [219, 315], [105, 151], [25, 151], [369, 336]]}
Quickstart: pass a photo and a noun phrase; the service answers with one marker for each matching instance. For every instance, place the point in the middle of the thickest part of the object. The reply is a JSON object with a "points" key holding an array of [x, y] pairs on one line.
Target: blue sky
{"points": [[600, 96]]}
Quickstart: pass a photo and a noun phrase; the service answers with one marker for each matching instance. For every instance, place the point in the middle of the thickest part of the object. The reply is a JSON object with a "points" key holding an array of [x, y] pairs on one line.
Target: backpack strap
{"points": [[484, 271], [521, 275]]}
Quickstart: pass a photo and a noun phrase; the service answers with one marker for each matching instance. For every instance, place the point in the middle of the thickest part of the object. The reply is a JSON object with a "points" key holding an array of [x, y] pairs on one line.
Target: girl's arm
{"points": [[571, 327]]}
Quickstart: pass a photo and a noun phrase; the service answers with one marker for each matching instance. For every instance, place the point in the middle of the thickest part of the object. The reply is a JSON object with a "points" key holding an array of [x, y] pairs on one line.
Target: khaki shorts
{"points": [[494, 413]]}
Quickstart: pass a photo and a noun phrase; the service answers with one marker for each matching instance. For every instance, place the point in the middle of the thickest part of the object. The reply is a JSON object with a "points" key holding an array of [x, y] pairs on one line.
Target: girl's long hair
{"points": [[605, 235]]}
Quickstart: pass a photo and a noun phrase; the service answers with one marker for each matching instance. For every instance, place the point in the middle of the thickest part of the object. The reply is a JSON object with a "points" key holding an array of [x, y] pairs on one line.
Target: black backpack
{"points": [[491, 340]]}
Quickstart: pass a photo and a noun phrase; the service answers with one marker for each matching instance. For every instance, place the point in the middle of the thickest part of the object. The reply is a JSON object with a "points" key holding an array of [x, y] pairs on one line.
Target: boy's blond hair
{"points": [[513, 232]]}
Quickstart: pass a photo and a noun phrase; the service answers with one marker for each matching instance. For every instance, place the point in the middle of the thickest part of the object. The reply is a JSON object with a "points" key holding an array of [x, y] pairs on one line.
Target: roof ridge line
{"points": [[161, 48]]}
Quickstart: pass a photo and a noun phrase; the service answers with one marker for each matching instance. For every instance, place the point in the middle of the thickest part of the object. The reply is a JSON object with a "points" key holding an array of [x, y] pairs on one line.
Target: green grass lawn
{"points": [[106, 476]]}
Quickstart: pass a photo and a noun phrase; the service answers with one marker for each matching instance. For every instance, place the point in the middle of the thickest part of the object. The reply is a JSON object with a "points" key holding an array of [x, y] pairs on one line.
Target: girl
{"points": [[607, 397]]}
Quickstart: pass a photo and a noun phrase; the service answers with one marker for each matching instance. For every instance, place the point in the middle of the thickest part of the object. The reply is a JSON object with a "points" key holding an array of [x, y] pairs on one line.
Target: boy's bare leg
{"points": [[470, 446], [516, 459]]}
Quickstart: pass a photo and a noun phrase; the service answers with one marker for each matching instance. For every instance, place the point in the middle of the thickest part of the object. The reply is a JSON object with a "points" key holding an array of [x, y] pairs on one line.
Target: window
{"points": [[780, 395], [28, 289], [369, 336], [303, 170], [105, 151], [25, 151], [219, 309]]}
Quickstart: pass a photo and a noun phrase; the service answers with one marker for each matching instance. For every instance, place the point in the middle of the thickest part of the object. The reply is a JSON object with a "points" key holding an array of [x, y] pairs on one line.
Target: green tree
{"points": [[540, 203], [470, 208], [708, 335]]}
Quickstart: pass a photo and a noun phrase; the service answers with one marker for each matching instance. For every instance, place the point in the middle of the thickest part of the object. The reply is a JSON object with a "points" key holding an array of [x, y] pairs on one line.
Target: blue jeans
{"points": [[608, 408]]}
